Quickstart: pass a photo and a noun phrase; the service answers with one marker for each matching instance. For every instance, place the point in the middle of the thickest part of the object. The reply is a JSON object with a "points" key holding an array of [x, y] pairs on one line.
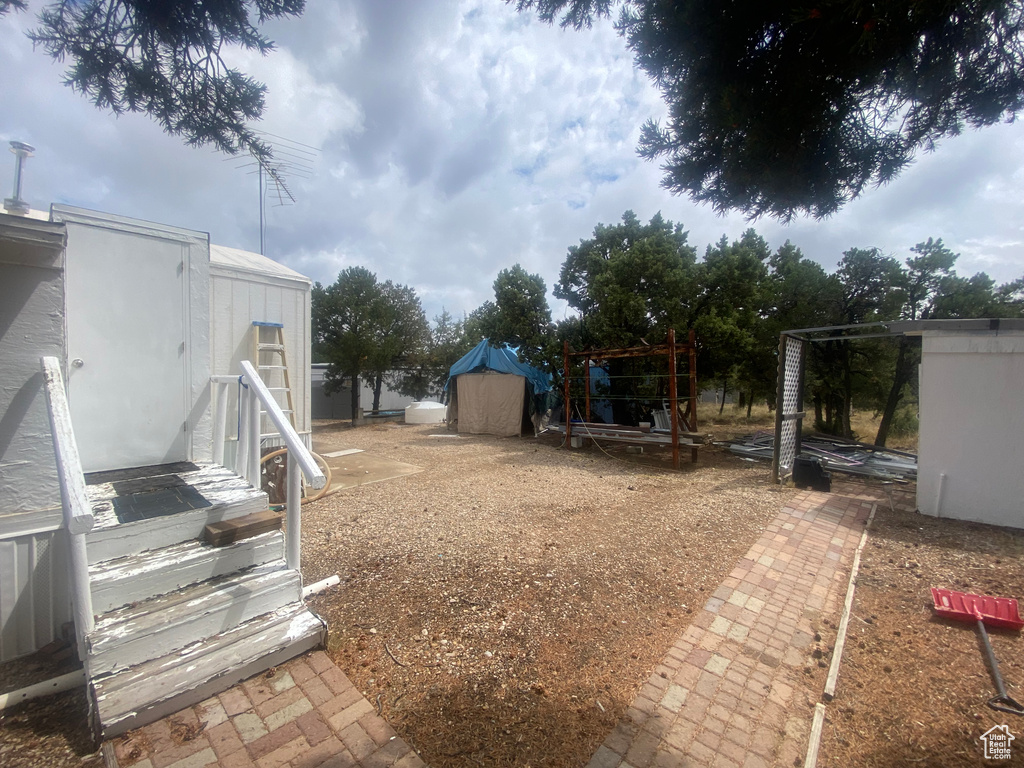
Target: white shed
{"points": [[971, 441], [247, 288]]}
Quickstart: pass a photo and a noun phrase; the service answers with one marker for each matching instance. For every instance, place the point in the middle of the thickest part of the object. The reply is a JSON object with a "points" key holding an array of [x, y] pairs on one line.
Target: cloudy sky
{"points": [[456, 138]]}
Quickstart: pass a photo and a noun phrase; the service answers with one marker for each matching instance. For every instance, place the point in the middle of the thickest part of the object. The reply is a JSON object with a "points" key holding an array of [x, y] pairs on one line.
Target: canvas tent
{"points": [[490, 392]]}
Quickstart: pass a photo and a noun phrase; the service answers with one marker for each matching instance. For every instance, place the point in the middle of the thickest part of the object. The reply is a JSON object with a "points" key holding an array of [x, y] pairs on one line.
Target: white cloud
{"points": [[457, 139]]}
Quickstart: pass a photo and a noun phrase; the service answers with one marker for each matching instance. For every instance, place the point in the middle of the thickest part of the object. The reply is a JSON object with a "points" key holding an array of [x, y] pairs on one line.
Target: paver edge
{"points": [[814, 742]]}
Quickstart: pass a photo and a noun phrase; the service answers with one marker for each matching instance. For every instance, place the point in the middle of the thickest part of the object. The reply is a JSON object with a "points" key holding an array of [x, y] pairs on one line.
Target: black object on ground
{"points": [[807, 473]]}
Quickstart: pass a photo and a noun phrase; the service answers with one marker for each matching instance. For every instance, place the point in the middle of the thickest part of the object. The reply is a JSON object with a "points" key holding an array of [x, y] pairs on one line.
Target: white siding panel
{"points": [[26, 553], [220, 312], [34, 593], [272, 304], [8, 599], [241, 297], [258, 303], [970, 452], [42, 587]]}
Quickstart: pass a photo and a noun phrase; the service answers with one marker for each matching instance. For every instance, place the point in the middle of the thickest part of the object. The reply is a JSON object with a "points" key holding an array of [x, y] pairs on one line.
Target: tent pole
{"points": [[673, 393], [586, 386], [693, 388]]}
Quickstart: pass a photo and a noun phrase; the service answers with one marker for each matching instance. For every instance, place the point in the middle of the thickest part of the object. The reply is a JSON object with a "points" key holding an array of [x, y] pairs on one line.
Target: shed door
{"points": [[127, 357]]}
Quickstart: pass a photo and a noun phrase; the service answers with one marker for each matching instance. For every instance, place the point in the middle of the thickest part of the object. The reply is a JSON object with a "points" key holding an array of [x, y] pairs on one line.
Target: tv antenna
{"points": [[288, 159]]}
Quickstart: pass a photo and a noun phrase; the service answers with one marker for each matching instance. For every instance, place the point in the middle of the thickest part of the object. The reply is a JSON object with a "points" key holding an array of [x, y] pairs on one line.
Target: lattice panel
{"points": [[790, 404]]}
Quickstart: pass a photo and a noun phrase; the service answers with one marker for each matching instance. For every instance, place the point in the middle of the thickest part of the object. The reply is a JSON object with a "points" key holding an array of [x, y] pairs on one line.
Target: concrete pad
{"points": [[351, 469]]}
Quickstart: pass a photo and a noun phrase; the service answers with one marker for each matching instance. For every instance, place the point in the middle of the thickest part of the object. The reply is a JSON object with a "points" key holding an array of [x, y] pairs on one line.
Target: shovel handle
{"points": [[992, 663], [1002, 702]]}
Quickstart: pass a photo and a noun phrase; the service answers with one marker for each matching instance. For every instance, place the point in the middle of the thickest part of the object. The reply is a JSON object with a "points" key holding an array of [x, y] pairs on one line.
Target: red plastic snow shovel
{"points": [[983, 609]]}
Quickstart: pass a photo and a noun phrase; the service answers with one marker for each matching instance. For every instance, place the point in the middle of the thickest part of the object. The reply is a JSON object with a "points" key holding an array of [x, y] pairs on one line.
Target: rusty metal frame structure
{"points": [[672, 350]]}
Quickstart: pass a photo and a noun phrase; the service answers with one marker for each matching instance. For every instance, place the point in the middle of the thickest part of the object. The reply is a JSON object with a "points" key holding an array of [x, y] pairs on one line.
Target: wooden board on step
{"points": [[238, 528]]}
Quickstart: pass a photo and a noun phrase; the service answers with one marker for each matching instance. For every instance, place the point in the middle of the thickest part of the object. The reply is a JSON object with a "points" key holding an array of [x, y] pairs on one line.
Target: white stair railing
{"points": [[220, 414], [78, 517], [254, 398]]}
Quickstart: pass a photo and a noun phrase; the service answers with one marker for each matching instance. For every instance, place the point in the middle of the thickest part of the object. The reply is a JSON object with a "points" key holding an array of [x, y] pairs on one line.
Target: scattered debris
{"points": [[834, 454]]}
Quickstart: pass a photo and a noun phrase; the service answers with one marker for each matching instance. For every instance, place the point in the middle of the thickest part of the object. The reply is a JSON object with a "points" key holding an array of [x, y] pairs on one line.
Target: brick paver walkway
{"points": [[306, 714], [722, 695]]}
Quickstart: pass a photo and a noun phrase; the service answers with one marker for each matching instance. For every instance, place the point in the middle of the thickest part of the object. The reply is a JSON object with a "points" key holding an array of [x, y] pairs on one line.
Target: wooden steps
{"points": [[179, 619], [135, 633], [149, 573], [228, 495], [164, 685]]}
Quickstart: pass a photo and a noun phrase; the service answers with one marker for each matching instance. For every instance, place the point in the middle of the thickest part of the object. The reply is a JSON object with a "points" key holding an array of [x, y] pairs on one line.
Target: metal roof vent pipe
{"points": [[15, 205]]}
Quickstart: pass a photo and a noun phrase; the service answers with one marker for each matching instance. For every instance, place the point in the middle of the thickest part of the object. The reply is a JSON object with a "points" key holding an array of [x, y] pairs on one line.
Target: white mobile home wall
{"points": [[971, 442], [247, 287], [34, 596]]}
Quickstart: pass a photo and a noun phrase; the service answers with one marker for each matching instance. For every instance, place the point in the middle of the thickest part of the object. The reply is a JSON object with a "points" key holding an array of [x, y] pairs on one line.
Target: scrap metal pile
{"points": [[835, 454]]}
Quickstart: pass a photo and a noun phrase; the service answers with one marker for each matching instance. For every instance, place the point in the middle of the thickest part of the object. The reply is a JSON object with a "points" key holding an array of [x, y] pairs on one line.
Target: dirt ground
{"points": [[913, 688], [504, 606], [49, 731]]}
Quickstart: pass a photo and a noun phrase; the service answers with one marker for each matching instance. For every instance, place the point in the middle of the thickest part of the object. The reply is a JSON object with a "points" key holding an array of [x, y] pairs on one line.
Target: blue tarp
{"points": [[484, 357]]}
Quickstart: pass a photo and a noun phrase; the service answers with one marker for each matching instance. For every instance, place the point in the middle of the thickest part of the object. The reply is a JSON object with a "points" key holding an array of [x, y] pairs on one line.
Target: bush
{"points": [[904, 422]]}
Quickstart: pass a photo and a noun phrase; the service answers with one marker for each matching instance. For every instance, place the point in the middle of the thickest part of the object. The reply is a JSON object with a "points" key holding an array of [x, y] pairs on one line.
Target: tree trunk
{"points": [[355, 399], [847, 430], [818, 421], [750, 405], [721, 407], [378, 384], [904, 370]]}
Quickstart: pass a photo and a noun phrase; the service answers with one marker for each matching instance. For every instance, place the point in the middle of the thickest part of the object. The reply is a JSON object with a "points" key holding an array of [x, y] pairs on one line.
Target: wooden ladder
{"points": [[270, 357]]}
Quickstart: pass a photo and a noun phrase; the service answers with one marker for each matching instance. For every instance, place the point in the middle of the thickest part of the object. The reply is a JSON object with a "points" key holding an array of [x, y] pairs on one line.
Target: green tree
{"points": [[426, 371], [519, 316], [798, 293], [1011, 298], [343, 328], [631, 282], [780, 108], [919, 284], [165, 59], [362, 328], [978, 296], [864, 294], [729, 309], [402, 331]]}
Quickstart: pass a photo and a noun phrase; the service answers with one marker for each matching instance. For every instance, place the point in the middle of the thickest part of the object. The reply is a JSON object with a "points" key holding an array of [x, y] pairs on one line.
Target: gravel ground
{"points": [[504, 606], [912, 687], [51, 731]]}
